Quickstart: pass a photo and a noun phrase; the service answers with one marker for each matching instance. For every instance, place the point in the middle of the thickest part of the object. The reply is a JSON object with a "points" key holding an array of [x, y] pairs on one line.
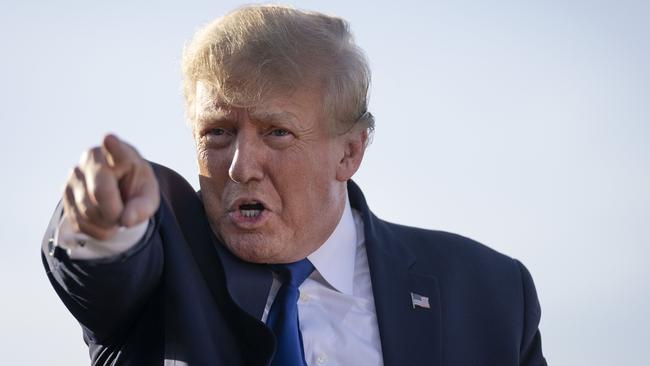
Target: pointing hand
{"points": [[112, 186]]}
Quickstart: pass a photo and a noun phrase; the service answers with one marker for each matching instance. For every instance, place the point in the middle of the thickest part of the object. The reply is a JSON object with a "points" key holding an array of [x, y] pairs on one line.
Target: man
{"points": [[278, 260]]}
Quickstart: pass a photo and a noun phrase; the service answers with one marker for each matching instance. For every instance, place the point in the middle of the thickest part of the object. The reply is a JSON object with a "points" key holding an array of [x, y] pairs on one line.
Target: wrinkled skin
{"points": [[282, 154]]}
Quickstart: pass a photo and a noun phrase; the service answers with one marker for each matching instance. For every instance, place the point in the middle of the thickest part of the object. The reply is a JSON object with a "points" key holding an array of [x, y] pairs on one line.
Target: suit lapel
{"points": [[407, 303], [247, 284]]}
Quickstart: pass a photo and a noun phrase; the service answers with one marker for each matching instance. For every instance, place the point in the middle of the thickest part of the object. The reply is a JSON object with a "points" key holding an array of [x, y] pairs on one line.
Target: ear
{"points": [[354, 146]]}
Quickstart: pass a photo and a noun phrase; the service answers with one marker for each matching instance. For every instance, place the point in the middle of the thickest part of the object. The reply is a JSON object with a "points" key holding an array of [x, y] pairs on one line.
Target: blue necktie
{"points": [[283, 316]]}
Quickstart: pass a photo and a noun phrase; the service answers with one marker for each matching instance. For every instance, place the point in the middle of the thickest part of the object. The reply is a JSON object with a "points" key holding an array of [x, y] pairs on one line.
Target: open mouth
{"points": [[251, 210]]}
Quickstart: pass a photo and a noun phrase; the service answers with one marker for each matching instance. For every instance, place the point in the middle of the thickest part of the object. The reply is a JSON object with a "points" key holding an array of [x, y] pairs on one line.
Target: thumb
{"points": [[144, 200], [137, 210]]}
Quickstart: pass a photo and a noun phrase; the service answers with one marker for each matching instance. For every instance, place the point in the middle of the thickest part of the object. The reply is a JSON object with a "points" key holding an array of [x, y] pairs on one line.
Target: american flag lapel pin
{"points": [[419, 301]]}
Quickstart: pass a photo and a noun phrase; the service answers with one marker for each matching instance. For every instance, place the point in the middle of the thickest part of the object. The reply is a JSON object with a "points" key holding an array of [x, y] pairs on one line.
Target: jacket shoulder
{"points": [[446, 245], [455, 257]]}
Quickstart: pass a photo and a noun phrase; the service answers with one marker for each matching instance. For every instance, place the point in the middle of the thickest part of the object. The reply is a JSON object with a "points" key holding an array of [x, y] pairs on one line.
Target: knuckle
{"points": [[75, 177], [84, 156], [104, 175], [83, 209], [109, 204], [99, 190], [92, 157], [87, 155], [88, 210], [78, 173], [69, 195], [68, 201], [72, 175]]}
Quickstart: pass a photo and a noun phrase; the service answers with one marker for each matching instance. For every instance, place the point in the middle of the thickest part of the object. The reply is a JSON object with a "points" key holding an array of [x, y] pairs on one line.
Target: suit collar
{"points": [[410, 335]]}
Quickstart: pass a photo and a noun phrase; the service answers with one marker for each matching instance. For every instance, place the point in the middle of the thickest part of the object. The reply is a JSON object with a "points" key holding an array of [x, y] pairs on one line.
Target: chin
{"points": [[253, 247]]}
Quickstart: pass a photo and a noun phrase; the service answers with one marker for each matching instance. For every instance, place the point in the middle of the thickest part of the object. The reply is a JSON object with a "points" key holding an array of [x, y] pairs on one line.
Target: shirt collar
{"points": [[334, 260]]}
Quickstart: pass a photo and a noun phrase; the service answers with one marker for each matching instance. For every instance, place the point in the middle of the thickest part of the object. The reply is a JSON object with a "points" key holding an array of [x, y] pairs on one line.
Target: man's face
{"points": [[268, 175]]}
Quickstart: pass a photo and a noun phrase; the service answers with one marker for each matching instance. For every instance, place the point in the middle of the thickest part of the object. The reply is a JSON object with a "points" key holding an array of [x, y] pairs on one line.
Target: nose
{"points": [[247, 160]]}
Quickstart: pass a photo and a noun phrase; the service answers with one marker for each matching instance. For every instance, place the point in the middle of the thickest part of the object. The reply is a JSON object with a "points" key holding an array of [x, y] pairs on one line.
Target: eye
{"points": [[279, 138], [217, 137], [279, 132], [216, 131]]}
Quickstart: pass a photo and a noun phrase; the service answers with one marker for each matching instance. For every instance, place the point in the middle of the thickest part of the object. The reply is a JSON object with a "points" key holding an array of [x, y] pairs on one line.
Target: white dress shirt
{"points": [[336, 308]]}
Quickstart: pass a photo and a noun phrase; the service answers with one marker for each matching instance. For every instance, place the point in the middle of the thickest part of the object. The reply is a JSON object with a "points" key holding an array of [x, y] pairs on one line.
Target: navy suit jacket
{"points": [[179, 297]]}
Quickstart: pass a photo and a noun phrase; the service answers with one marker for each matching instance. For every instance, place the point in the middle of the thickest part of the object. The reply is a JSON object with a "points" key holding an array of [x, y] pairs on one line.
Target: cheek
{"points": [[308, 186], [213, 177], [213, 164]]}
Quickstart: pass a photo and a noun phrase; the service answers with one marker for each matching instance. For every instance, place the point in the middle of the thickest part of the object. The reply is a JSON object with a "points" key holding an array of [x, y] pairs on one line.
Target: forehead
{"points": [[302, 105]]}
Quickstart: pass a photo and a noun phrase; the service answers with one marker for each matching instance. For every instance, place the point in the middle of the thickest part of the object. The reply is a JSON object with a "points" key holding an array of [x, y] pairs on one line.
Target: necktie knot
{"points": [[294, 274]]}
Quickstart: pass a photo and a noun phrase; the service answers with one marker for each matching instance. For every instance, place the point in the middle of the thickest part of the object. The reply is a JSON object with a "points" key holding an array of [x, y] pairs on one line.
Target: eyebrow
{"points": [[208, 116], [273, 117], [211, 115]]}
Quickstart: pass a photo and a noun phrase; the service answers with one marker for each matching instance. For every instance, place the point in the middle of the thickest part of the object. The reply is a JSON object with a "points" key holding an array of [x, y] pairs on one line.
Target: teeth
{"points": [[250, 213]]}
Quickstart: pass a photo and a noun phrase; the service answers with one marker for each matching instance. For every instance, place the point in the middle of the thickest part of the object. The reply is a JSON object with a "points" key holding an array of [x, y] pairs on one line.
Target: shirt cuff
{"points": [[82, 246]]}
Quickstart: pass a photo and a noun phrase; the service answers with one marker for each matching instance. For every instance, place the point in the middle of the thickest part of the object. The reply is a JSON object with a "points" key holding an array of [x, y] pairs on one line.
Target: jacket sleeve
{"points": [[106, 294], [531, 343]]}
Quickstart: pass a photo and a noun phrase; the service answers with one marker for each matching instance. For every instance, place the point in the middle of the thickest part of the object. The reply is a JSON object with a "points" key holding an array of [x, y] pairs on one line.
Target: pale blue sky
{"points": [[524, 125]]}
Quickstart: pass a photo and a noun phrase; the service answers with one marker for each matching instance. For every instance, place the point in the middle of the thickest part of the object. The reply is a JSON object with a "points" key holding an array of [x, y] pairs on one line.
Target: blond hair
{"points": [[257, 52]]}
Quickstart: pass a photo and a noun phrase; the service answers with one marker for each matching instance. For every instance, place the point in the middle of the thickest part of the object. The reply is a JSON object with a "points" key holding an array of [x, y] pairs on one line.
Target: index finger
{"points": [[119, 155]]}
